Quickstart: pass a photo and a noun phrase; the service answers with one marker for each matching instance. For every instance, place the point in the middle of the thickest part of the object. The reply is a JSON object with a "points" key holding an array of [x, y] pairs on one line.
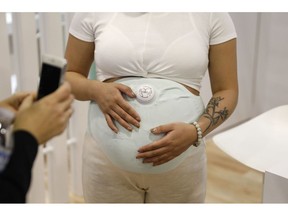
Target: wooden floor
{"points": [[228, 180]]}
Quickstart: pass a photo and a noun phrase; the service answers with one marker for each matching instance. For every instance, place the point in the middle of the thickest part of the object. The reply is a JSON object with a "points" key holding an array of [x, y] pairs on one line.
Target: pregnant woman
{"points": [[146, 117]]}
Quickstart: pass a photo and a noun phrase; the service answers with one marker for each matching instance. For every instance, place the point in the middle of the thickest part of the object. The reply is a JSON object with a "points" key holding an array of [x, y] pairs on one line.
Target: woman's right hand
{"points": [[108, 95], [114, 107]]}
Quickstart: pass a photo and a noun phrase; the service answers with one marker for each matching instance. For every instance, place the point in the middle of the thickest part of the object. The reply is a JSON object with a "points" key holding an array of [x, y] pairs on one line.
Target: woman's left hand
{"points": [[179, 137]]}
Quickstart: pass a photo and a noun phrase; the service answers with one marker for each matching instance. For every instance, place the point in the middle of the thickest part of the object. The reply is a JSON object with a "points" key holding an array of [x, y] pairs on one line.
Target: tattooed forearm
{"points": [[214, 115]]}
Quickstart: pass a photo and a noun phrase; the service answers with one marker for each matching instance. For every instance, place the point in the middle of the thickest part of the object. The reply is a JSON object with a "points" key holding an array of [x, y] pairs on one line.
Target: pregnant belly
{"points": [[158, 102]]}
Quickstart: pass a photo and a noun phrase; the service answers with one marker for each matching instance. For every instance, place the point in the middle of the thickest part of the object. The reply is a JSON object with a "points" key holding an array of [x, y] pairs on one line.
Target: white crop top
{"points": [[173, 46]]}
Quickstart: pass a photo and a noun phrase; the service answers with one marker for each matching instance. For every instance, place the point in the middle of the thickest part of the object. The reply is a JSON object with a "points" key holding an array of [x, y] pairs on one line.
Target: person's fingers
{"points": [[126, 90], [130, 110], [160, 143], [34, 95], [162, 129], [27, 102], [124, 104], [126, 116], [16, 99], [162, 160], [111, 123], [67, 103], [117, 109], [155, 159], [155, 152], [118, 118], [61, 93]]}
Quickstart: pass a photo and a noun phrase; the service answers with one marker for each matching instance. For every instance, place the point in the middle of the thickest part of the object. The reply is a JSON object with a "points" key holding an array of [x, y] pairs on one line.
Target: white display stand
{"points": [[262, 144], [275, 188]]}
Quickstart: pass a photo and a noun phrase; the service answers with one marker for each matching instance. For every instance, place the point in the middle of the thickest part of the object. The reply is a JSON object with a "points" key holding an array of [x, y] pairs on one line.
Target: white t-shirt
{"points": [[173, 46]]}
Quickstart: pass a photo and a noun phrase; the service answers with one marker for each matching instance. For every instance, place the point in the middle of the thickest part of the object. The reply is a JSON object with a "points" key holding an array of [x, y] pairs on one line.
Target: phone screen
{"points": [[49, 80]]}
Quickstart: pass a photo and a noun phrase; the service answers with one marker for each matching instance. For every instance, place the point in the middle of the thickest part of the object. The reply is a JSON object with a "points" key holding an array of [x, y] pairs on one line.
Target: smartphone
{"points": [[51, 75]]}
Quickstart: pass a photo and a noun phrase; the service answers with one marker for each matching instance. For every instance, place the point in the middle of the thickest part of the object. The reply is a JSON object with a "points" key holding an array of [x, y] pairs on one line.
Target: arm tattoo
{"points": [[213, 115]]}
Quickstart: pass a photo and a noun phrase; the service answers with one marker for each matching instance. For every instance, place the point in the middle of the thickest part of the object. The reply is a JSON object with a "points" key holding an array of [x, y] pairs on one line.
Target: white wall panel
{"points": [[5, 63], [26, 63], [77, 126], [247, 28], [51, 33], [26, 50], [51, 40], [272, 76]]}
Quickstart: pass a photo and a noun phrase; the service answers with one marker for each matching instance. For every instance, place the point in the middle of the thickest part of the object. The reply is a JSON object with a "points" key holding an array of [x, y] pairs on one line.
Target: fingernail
{"points": [[153, 130], [129, 128]]}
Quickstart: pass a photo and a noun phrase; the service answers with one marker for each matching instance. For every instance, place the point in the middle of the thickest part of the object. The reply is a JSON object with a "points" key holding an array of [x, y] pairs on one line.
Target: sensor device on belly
{"points": [[145, 93], [158, 102]]}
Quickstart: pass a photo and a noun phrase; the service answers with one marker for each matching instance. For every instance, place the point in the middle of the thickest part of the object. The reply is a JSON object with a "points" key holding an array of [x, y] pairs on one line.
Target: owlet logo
{"points": [[145, 91]]}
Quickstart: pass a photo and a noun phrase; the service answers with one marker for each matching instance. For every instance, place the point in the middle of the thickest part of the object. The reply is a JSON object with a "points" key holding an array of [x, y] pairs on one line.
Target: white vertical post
{"points": [[77, 126], [247, 27], [51, 37], [77, 130], [25, 50], [261, 61], [5, 64], [51, 34]]}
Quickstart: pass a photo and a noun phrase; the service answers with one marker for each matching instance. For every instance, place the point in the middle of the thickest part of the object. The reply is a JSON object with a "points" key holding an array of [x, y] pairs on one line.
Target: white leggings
{"points": [[103, 182]]}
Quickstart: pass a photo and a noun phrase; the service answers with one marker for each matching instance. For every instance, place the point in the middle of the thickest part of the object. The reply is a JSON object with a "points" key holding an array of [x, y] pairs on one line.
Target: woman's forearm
{"points": [[220, 107], [82, 88]]}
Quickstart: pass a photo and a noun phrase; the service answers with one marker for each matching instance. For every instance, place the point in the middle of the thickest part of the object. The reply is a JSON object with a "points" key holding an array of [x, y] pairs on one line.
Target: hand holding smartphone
{"points": [[52, 74]]}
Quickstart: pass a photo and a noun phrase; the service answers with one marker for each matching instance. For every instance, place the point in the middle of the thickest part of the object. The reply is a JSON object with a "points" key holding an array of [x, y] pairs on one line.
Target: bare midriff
{"points": [[192, 90]]}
